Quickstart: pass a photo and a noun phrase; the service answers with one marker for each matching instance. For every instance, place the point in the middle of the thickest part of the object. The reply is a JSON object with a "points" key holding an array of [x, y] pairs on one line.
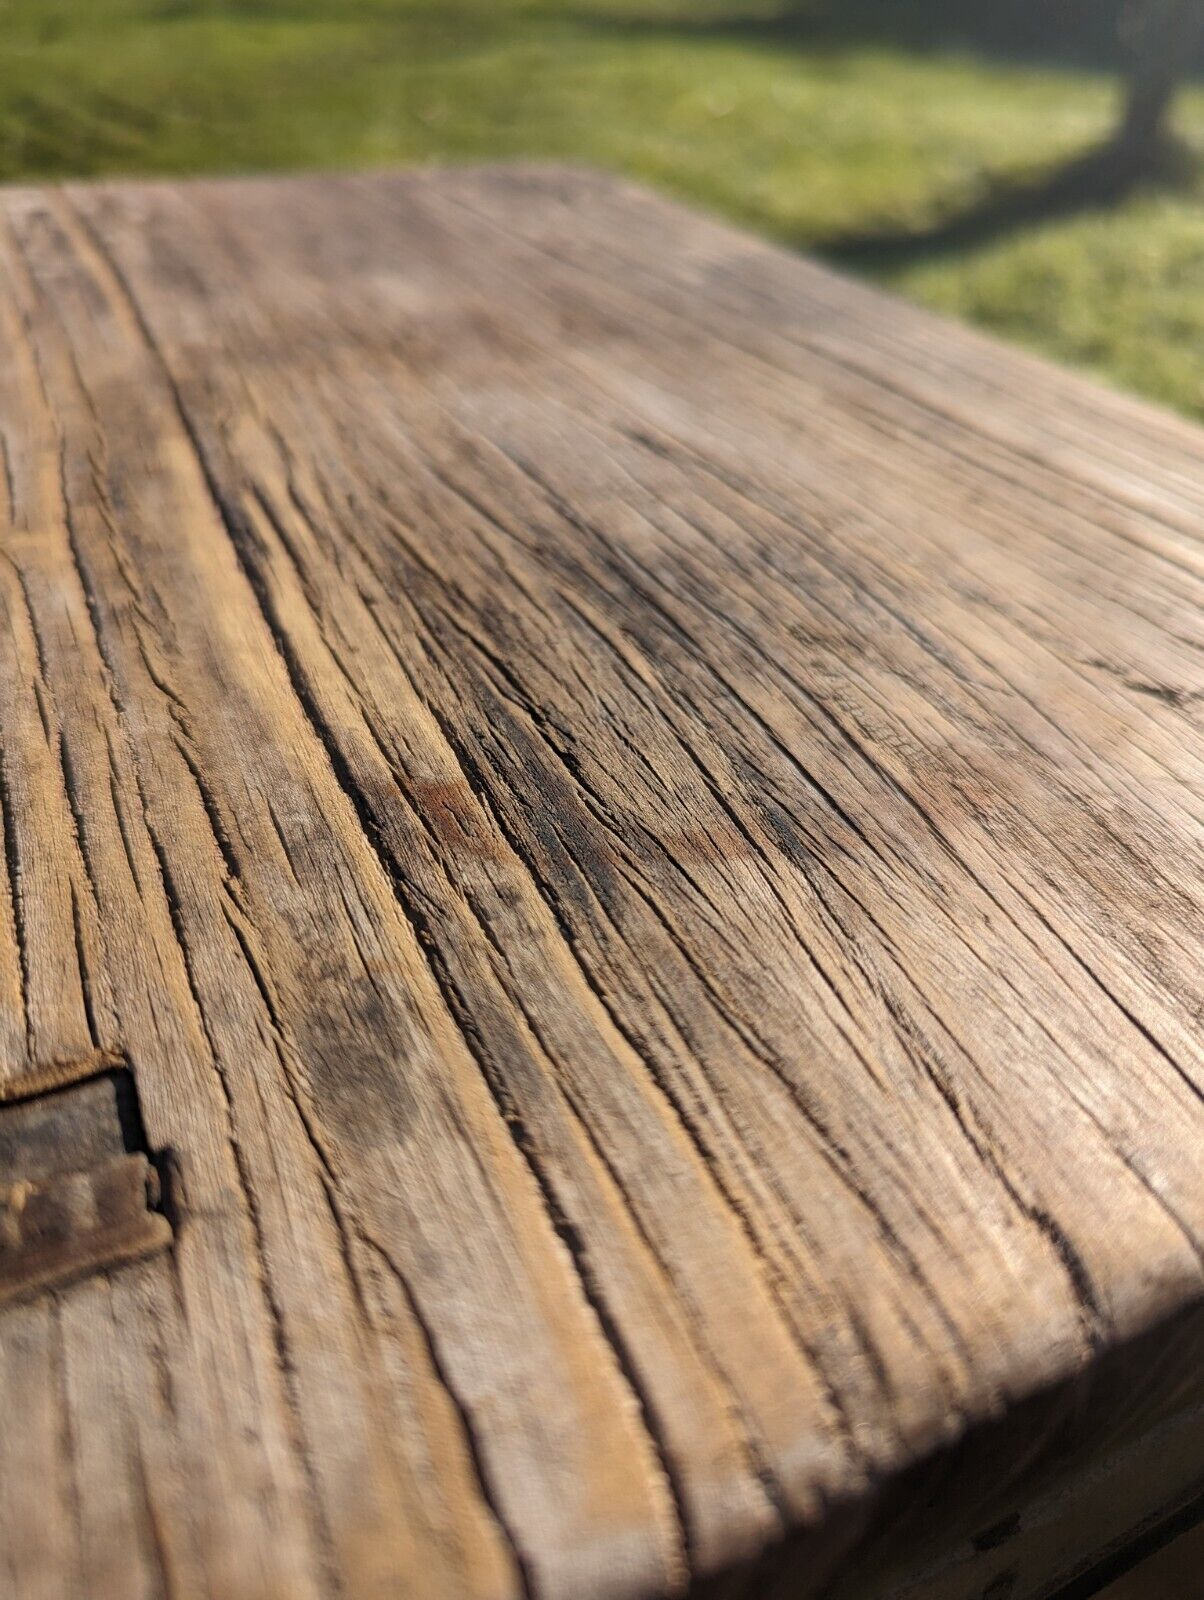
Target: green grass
{"points": [[859, 119]]}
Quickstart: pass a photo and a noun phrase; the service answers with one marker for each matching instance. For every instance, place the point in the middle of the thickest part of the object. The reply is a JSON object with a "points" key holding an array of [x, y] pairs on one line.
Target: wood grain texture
{"points": [[634, 809]]}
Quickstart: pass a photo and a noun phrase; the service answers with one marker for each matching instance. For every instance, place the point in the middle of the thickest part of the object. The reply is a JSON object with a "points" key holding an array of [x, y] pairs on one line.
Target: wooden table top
{"points": [[612, 824]]}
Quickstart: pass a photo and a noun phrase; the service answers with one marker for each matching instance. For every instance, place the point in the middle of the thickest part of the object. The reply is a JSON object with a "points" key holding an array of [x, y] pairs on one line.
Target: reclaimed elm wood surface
{"points": [[634, 811]]}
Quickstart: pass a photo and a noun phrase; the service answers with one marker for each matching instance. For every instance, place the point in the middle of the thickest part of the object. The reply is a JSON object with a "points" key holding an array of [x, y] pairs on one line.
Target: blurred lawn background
{"points": [[814, 121]]}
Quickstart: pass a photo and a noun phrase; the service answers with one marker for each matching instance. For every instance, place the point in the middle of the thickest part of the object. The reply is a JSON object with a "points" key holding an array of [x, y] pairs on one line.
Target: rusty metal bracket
{"points": [[79, 1192]]}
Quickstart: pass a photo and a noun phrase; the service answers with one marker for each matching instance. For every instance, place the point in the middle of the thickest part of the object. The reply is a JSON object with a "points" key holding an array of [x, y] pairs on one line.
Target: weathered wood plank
{"points": [[633, 810]]}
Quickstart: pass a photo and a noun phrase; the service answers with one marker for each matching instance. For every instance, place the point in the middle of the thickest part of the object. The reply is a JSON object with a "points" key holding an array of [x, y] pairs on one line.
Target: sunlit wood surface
{"points": [[632, 810]]}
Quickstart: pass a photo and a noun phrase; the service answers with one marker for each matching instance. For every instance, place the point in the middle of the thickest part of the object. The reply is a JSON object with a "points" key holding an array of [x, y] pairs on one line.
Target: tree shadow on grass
{"points": [[1096, 181], [1082, 34]]}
